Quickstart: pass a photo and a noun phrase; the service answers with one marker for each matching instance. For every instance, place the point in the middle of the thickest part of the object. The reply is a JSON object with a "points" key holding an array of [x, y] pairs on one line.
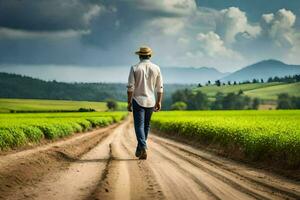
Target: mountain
{"points": [[187, 75], [263, 70]]}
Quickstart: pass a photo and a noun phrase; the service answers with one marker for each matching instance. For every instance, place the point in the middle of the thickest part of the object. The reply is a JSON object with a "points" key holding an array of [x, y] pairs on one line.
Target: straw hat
{"points": [[144, 51]]}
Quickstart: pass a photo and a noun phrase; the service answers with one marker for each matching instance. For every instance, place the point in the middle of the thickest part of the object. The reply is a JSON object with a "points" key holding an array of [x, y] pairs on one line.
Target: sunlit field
{"points": [[260, 135], [20, 129]]}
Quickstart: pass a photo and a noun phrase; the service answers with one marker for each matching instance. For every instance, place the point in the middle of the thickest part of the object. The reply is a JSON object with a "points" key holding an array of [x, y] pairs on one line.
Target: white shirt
{"points": [[144, 78]]}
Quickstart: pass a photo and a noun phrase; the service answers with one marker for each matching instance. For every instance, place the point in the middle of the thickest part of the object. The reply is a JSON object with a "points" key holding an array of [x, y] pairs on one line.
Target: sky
{"points": [[79, 38]]}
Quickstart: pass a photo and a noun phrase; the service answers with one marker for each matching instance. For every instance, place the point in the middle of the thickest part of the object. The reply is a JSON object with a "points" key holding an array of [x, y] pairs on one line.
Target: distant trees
{"points": [[255, 103], [285, 79], [233, 101], [17, 86], [112, 104], [179, 105], [218, 83], [194, 100], [218, 103], [284, 101]]}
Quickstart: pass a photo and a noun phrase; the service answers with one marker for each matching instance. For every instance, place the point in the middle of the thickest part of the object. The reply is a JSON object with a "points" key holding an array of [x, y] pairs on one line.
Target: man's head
{"points": [[144, 53]]}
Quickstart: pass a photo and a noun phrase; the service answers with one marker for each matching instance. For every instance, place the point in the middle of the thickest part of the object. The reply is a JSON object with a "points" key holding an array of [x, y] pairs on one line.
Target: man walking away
{"points": [[144, 78]]}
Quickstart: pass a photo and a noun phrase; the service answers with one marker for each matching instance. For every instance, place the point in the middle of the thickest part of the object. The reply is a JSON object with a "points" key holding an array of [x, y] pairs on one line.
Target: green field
{"points": [[21, 129], [265, 91], [259, 135], [6, 105], [271, 93]]}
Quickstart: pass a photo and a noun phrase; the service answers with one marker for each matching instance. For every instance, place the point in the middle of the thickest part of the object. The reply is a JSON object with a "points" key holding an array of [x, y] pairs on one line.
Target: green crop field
{"points": [[6, 105], [265, 91], [21, 129], [259, 135]]}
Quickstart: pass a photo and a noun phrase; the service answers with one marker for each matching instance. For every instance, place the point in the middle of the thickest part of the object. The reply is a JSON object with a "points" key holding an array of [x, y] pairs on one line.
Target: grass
{"points": [[6, 105], [271, 93], [264, 91], [259, 135], [21, 129]]}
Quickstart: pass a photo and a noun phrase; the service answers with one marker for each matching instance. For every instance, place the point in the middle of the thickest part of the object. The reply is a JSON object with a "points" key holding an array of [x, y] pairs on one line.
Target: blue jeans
{"points": [[141, 116]]}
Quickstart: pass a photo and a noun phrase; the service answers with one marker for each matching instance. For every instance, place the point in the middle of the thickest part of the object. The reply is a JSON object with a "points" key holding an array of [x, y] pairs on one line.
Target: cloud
{"points": [[279, 27], [166, 7], [8, 33], [212, 45], [165, 25], [182, 33], [233, 21], [44, 15]]}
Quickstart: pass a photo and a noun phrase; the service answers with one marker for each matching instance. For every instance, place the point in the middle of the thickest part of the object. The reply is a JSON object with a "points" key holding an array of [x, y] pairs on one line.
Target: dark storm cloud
{"points": [[47, 15], [124, 17]]}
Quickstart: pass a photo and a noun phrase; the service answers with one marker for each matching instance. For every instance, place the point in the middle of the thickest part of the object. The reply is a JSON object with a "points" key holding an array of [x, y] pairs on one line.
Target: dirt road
{"points": [[101, 165]]}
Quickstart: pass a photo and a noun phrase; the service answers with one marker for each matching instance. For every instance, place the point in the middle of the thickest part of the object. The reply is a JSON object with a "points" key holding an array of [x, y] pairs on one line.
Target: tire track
{"points": [[218, 169]]}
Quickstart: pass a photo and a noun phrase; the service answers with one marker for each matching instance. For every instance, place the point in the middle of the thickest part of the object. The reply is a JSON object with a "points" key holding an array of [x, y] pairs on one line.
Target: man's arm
{"points": [[159, 90], [130, 89], [129, 100], [157, 106]]}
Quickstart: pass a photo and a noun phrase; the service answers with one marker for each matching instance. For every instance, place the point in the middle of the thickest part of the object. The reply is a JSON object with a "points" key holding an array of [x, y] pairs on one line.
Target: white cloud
{"points": [[233, 21], [7, 33], [174, 7], [279, 27], [165, 25], [93, 12], [213, 46]]}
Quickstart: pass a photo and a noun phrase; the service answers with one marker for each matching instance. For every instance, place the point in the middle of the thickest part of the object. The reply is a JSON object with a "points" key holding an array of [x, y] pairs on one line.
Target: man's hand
{"points": [[129, 107], [157, 107]]}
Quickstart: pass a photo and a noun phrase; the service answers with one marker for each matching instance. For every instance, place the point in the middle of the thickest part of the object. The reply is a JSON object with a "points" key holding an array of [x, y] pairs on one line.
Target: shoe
{"points": [[138, 152], [143, 155]]}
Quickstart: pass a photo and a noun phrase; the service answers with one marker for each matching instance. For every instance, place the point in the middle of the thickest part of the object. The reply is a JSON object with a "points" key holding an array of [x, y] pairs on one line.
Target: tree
{"points": [[262, 80], [234, 101], [228, 83], [295, 102], [217, 104], [234, 83], [218, 83], [181, 95], [255, 103], [180, 105], [111, 104], [284, 101], [197, 101], [199, 85], [270, 80]]}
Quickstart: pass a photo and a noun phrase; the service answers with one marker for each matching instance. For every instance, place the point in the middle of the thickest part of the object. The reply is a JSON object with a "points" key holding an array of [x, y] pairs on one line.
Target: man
{"points": [[144, 78]]}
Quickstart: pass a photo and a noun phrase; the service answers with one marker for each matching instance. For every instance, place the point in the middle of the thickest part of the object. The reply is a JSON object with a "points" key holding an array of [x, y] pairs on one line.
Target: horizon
{"points": [[98, 75]]}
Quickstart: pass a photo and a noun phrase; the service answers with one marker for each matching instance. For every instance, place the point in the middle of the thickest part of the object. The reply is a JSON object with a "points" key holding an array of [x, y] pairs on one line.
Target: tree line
{"points": [[285, 79], [188, 99]]}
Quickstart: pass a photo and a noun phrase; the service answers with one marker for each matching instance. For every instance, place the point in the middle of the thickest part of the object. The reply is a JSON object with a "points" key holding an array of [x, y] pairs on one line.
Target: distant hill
{"points": [[264, 91], [24, 87], [18, 86], [187, 75], [263, 70]]}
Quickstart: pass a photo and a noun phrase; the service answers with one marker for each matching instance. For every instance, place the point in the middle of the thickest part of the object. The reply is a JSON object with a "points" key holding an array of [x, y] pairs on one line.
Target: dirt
{"points": [[101, 165]]}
